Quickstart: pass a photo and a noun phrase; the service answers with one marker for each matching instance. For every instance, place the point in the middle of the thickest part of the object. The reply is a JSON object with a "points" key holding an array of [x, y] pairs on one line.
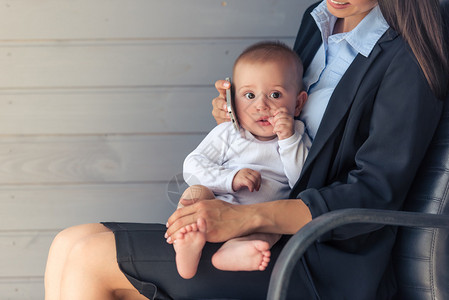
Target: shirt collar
{"points": [[362, 38]]}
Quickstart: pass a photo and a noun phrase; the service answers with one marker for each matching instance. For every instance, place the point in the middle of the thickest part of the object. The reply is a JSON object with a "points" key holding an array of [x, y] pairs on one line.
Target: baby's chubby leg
{"points": [[190, 241], [248, 253], [196, 193]]}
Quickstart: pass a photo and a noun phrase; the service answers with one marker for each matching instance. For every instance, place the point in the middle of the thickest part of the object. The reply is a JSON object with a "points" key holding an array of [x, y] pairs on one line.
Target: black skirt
{"points": [[149, 264]]}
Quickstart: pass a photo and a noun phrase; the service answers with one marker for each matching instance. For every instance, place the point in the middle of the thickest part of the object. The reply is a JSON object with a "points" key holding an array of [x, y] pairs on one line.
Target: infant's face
{"points": [[260, 88]]}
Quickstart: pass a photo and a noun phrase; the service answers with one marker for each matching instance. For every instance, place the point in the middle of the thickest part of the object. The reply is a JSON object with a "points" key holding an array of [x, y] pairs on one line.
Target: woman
{"points": [[375, 74]]}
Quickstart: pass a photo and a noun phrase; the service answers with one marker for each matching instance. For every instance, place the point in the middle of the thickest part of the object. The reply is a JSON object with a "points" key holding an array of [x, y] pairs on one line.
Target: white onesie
{"points": [[224, 152]]}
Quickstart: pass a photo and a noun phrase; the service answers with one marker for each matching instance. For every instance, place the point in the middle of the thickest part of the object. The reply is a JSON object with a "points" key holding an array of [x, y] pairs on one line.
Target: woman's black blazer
{"points": [[371, 140]]}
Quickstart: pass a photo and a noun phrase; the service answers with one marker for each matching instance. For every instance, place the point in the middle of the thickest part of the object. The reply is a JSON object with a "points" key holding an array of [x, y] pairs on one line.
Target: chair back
{"points": [[421, 255]]}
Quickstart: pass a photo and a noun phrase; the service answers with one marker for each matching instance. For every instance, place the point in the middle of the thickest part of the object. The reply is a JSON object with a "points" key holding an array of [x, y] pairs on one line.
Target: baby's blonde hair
{"points": [[267, 51]]}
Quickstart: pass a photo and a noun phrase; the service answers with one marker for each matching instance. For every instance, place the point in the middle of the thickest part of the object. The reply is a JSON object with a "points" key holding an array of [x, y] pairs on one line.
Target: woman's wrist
{"points": [[247, 219], [255, 215], [281, 216]]}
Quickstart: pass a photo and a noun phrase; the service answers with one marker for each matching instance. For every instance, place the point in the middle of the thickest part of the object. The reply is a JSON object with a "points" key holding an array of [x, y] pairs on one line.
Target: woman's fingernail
{"points": [[165, 235], [166, 225], [226, 84], [169, 240]]}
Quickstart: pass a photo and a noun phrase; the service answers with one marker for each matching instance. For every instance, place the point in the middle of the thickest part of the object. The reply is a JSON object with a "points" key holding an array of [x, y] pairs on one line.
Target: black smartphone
{"points": [[231, 107]]}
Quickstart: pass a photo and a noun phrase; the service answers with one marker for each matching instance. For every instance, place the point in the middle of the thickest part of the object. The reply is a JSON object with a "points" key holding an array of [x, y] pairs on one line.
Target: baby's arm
{"points": [[205, 164], [294, 151]]}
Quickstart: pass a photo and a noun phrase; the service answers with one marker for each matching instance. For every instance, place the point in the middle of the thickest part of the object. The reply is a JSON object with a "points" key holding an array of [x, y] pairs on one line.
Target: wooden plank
{"points": [[120, 64], [117, 111], [95, 70], [24, 250], [22, 288], [24, 254], [51, 160], [57, 207], [106, 19]]}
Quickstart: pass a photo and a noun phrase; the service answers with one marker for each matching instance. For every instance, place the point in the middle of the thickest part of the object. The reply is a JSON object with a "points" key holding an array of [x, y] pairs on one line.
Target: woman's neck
{"points": [[347, 24]]}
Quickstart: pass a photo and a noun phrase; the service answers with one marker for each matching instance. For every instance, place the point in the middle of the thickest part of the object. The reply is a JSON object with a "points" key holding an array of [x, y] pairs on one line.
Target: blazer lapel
{"points": [[342, 98]]}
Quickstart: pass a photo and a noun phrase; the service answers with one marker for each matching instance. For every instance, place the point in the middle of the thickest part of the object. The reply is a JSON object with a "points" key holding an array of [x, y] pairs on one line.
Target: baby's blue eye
{"points": [[250, 96], [275, 95]]}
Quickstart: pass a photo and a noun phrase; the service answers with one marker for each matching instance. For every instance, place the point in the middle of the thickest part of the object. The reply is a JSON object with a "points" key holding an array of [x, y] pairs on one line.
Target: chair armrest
{"points": [[298, 243]]}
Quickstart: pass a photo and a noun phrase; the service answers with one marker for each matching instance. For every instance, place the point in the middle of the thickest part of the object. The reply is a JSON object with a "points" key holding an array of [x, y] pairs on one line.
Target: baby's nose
{"points": [[262, 103]]}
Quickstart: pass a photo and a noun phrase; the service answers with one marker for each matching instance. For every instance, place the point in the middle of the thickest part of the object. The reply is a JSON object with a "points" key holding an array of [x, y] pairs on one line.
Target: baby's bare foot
{"points": [[188, 246], [242, 255]]}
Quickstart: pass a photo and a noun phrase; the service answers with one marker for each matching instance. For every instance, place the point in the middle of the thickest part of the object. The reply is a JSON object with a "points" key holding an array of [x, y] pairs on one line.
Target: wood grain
{"points": [[100, 101]]}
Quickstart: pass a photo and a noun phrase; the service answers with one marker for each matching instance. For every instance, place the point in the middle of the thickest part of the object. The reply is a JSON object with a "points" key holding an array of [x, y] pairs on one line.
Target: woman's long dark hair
{"points": [[421, 24]]}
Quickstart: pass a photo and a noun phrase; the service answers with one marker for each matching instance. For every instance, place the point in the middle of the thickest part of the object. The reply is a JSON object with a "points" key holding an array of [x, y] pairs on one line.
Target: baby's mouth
{"points": [[263, 121]]}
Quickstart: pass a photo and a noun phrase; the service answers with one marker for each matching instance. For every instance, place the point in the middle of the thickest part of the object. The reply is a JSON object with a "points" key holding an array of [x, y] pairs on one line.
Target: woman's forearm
{"points": [[225, 221], [281, 216]]}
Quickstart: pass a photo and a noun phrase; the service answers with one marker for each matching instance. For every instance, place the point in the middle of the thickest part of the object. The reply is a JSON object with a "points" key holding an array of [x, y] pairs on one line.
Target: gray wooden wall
{"points": [[100, 101]]}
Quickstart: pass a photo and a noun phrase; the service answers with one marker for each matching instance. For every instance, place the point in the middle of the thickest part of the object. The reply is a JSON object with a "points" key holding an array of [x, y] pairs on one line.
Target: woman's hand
{"points": [[219, 111], [223, 220]]}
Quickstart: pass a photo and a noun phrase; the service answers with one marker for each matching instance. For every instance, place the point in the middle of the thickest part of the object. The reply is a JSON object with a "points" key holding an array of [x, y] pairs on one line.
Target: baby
{"points": [[259, 162]]}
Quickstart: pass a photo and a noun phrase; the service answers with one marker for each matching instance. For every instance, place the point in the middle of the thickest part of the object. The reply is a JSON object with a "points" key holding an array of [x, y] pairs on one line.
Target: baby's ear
{"points": [[300, 101]]}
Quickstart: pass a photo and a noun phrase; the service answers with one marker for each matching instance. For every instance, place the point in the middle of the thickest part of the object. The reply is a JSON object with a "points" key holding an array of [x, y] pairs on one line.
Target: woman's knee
{"points": [[92, 247], [67, 238], [92, 264], [94, 258], [90, 257]]}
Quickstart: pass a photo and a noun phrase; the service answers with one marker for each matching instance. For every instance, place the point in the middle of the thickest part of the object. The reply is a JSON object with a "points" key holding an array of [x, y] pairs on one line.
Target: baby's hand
{"points": [[283, 123], [246, 178]]}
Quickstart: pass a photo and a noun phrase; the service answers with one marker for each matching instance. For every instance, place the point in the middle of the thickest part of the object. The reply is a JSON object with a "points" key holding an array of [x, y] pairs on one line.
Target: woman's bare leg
{"points": [[59, 251], [91, 271]]}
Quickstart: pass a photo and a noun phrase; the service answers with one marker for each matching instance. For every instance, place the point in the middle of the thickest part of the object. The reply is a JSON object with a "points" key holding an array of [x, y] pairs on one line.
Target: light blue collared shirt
{"points": [[333, 59]]}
